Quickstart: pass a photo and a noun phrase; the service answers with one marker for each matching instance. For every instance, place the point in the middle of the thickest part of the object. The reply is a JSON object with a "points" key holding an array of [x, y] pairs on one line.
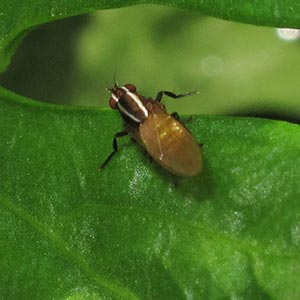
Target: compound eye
{"points": [[113, 103], [130, 87]]}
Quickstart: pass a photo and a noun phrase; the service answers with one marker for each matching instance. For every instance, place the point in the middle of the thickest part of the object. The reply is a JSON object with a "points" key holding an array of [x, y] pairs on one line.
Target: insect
{"points": [[163, 135]]}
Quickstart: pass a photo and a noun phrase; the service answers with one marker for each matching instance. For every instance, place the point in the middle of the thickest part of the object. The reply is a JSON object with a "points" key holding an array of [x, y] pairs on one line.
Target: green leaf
{"points": [[18, 17], [69, 231]]}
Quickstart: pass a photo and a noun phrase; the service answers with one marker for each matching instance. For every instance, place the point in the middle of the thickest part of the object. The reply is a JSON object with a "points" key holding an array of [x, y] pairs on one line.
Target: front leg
{"points": [[115, 146], [172, 95]]}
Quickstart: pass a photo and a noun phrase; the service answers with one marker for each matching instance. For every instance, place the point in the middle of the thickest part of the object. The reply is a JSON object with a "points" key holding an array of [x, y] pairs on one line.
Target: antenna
{"points": [[115, 76]]}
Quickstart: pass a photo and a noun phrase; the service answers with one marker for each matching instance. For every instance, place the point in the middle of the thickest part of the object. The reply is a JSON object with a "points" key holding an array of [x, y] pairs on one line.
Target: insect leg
{"points": [[172, 95], [115, 146], [175, 116]]}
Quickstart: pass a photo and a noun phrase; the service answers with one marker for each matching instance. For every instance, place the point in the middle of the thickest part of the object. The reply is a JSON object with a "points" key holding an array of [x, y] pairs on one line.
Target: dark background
{"points": [[239, 69]]}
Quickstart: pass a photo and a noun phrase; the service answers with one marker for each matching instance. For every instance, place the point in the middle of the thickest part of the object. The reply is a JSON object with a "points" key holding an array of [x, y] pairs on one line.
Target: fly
{"points": [[163, 135]]}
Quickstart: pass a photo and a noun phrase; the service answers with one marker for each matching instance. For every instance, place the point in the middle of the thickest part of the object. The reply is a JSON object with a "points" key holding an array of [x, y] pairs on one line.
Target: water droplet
{"points": [[212, 66], [288, 34]]}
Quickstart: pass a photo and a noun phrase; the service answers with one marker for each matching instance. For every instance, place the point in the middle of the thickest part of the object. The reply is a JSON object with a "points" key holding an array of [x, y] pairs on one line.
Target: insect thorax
{"points": [[133, 106]]}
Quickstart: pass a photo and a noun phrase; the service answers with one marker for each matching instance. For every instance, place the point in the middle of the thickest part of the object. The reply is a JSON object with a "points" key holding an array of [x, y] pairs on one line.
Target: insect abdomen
{"points": [[171, 144]]}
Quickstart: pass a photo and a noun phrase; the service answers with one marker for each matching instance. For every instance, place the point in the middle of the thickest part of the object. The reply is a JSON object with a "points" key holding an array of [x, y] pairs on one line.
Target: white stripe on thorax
{"points": [[137, 100], [124, 111], [115, 97]]}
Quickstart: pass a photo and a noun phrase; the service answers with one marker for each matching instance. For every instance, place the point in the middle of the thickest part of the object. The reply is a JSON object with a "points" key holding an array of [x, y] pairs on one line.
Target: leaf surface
{"points": [[69, 231]]}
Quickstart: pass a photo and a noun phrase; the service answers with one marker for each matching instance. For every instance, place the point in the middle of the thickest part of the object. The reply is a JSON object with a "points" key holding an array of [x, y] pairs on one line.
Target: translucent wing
{"points": [[171, 144]]}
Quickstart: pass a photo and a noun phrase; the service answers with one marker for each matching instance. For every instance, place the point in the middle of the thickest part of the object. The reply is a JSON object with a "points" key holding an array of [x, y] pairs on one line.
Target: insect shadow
{"points": [[199, 188]]}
